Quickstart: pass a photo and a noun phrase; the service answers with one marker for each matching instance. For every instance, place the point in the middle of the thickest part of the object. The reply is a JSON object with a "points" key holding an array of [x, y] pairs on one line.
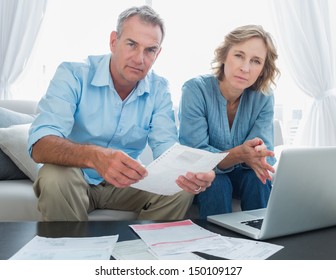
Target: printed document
{"points": [[178, 240], [138, 250], [177, 237], [67, 248], [176, 161]]}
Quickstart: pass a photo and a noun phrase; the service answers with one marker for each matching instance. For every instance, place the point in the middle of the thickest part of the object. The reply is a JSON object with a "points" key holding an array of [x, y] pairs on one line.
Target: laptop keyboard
{"points": [[254, 223]]}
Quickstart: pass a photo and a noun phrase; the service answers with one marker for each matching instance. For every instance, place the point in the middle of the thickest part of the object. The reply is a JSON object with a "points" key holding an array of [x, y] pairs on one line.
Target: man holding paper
{"points": [[94, 122]]}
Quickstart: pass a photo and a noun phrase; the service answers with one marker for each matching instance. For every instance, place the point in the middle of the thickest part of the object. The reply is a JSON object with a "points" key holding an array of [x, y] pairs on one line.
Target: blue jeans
{"points": [[241, 183]]}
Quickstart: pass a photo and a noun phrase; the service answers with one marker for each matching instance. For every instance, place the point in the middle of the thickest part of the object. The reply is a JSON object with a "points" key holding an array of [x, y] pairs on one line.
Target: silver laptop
{"points": [[303, 197]]}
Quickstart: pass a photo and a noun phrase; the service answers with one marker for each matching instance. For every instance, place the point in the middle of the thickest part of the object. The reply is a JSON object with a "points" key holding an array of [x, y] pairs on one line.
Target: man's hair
{"points": [[145, 13], [240, 35]]}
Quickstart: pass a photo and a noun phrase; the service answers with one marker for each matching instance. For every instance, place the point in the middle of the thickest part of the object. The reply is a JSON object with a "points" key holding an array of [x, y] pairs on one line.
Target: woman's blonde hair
{"points": [[240, 35]]}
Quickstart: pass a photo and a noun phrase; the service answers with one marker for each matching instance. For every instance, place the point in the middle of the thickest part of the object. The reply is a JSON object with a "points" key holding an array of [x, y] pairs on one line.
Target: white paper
{"points": [[168, 240], [244, 249], [67, 248], [176, 161], [177, 237], [138, 250]]}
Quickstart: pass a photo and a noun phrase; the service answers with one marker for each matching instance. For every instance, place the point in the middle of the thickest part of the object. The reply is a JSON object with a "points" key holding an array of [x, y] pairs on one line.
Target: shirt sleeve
{"points": [[57, 107], [263, 126], [163, 131]]}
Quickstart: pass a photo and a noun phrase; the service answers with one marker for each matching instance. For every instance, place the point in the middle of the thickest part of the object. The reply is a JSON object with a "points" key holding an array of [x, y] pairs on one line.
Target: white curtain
{"points": [[305, 34], [20, 21]]}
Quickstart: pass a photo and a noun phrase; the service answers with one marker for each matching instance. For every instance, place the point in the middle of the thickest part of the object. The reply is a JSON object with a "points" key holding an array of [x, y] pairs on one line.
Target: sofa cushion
{"points": [[9, 170], [9, 117], [14, 143]]}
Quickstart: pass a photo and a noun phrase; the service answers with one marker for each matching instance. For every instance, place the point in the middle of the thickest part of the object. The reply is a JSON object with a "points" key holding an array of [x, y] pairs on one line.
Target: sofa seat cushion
{"points": [[18, 201], [111, 215]]}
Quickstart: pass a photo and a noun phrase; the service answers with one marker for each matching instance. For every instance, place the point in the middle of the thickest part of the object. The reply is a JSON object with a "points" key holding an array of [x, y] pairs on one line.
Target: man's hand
{"points": [[196, 182], [118, 168]]}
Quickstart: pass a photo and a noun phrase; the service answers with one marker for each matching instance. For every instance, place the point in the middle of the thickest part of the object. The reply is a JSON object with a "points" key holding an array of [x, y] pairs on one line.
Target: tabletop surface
{"points": [[312, 245]]}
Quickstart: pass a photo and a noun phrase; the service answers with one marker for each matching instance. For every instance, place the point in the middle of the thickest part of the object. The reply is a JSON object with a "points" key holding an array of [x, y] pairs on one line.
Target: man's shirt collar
{"points": [[100, 66]]}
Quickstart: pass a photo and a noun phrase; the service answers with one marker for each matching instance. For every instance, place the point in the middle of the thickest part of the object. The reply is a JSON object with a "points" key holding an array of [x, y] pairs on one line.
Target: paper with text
{"points": [[244, 249], [138, 250], [177, 240], [177, 237], [67, 248], [176, 161]]}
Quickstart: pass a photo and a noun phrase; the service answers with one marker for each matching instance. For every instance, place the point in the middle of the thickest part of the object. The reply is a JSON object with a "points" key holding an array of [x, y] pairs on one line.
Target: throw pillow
{"points": [[14, 143], [9, 117], [8, 169]]}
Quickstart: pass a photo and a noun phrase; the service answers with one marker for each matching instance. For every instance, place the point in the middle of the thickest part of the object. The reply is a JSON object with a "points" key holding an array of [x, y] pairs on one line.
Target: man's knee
{"points": [[54, 172], [54, 178], [62, 193], [184, 199]]}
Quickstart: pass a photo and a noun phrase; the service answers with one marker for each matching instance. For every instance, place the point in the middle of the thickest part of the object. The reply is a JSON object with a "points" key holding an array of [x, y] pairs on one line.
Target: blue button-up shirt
{"points": [[204, 122], [82, 105]]}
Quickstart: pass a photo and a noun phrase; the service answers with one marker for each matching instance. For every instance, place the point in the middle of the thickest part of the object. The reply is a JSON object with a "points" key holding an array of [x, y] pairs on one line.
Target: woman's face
{"points": [[244, 63]]}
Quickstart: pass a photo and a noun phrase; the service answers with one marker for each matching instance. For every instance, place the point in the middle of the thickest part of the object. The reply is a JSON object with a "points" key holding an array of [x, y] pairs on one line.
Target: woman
{"points": [[232, 111]]}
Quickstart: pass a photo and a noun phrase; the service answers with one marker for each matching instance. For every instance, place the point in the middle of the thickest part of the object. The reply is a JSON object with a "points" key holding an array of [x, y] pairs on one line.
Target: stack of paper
{"points": [[177, 240]]}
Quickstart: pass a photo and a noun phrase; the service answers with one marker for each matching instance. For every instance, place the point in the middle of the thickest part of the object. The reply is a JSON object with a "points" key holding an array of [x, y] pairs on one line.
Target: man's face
{"points": [[134, 51]]}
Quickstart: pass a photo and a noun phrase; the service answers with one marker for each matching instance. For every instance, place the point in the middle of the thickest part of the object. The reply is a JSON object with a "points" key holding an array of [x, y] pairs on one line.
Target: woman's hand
{"points": [[196, 182], [254, 155]]}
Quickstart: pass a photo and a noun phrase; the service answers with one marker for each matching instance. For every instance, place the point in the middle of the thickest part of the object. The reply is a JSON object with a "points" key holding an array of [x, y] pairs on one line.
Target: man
{"points": [[95, 120]]}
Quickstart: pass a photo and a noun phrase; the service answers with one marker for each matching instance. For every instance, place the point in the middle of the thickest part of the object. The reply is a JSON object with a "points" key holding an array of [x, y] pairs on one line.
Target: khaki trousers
{"points": [[64, 195]]}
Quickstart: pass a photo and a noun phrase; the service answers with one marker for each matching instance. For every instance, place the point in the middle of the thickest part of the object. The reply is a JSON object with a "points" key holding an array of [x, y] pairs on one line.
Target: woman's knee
{"points": [[220, 187]]}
